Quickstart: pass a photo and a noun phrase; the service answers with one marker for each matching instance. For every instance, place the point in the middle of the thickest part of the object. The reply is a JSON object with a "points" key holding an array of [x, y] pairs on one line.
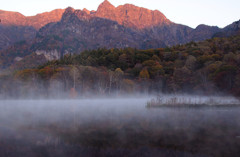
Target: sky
{"points": [[188, 12]]}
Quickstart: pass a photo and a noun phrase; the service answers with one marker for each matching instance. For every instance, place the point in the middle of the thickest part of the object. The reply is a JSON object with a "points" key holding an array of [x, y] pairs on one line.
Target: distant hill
{"points": [[230, 30]]}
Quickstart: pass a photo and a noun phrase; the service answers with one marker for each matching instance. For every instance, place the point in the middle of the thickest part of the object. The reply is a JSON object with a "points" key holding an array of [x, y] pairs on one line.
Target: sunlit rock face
{"points": [[120, 27], [153, 24], [132, 16], [78, 30], [73, 31], [9, 18]]}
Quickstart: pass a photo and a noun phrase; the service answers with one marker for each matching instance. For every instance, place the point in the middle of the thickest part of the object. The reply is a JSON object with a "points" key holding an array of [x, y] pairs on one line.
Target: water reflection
{"points": [[116, 127]]}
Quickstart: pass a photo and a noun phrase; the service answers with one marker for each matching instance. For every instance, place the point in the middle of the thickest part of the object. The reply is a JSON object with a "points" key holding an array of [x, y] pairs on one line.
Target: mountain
{"points": [[115, 27], [73, 31], [202, 32], [229, 30], [154, 23], [9, 18], [12, 34], [15, 27], [151, 24], [132, 16], [78, 31], [12, 18]]}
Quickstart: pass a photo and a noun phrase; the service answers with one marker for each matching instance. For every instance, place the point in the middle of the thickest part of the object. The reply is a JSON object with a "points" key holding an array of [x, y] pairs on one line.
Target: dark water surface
{"points": [[116, 127]]}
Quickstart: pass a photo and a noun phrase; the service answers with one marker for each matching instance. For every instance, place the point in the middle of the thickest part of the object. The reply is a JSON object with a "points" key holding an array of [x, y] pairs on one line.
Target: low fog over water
{"points": [[116, 127]]}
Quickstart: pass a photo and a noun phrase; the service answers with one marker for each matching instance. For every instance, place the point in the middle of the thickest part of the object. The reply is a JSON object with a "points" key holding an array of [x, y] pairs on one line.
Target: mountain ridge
{"points": [[61, 11], [131, 16], [9, 18], [74, 30]]}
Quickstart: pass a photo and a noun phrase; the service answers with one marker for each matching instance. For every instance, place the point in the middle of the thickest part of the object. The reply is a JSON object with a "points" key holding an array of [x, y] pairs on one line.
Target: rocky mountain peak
{"points": [[69, 10], [70, 15], [132, 16], [106, 5], [106, 10], [67, 13], [82, 14], [87, 11], [123, 26]]}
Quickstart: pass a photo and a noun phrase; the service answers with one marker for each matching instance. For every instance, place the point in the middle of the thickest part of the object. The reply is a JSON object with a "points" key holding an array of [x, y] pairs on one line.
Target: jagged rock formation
{"points": [[118, 27], [152, 25], [132, 16], [73, 31], [78, 30]]}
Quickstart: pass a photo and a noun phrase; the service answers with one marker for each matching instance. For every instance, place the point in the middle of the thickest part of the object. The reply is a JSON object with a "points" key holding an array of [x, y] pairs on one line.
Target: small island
{"points": [[193, 101]]}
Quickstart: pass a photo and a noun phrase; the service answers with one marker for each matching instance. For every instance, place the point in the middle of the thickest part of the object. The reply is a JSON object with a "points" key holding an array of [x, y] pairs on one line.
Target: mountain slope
{"points": [[80, 31], [131, 16], [229, 30], [15, 27], [150, 23], [40, 20], [111, 27], [12, 34], [9, 18], [143, 29], [154, 23]]}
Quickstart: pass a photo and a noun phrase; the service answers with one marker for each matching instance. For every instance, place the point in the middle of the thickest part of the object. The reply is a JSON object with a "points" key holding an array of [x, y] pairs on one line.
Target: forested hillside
{"points": [[208, 67]]}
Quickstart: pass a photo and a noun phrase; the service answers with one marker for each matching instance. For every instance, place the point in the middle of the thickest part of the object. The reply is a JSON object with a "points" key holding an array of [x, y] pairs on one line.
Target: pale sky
{"points": [[188, 12]]}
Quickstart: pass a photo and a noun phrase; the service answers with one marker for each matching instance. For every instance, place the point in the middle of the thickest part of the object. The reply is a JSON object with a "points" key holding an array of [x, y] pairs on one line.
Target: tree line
{"points": [[208, 67]]}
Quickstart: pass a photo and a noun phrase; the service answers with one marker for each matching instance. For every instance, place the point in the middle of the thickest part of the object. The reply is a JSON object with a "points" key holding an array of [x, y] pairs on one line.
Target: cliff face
{"points": [[73, 31], [154, 23], [132, 16], [143, 28], [150, 26], [78, 30]]}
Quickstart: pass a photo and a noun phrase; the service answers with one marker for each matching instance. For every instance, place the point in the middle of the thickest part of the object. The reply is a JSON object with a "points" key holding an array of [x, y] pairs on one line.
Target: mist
{"points": [[116, 127], [87, 111]]}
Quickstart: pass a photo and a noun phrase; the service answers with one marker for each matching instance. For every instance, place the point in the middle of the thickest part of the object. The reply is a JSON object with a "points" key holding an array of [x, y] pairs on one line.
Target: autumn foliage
{"points": [[206, 67]]}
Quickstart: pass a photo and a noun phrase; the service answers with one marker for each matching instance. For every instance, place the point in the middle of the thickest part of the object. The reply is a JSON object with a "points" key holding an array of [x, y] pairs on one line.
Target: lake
{"points": [[116, 127]]}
